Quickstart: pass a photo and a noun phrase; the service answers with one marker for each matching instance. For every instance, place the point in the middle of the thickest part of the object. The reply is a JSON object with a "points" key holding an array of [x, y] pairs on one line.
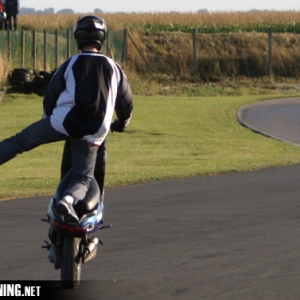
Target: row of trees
{"points": [[25, 10]]}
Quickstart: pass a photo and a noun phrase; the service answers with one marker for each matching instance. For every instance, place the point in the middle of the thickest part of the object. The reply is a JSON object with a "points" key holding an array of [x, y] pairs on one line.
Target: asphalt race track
{"points": [[232, 236], [275, 118]]}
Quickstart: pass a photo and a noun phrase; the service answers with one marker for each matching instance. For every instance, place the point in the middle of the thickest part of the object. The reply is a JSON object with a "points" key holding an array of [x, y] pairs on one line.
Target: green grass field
{"points": [[168, 137]]}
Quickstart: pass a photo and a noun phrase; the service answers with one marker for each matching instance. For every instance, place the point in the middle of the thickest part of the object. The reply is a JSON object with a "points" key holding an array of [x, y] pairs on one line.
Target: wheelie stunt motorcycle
{"points": [[71, 244]]}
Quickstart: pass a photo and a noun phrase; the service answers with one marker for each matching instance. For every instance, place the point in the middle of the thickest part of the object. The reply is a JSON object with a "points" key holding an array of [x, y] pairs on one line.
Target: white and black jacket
{"points": [[83, 94]]}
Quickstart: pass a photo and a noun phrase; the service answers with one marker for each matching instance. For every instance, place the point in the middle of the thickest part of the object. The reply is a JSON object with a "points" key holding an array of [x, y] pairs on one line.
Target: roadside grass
{"points": [[168, 137], [163, 85]]}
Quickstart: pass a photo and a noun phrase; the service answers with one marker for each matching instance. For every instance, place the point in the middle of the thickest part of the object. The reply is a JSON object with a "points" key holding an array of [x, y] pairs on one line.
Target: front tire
{"points": [[70, 262]]}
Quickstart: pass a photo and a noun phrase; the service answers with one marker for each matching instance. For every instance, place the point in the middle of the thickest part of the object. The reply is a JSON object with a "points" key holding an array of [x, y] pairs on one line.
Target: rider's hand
{"points": [[118, 125]]}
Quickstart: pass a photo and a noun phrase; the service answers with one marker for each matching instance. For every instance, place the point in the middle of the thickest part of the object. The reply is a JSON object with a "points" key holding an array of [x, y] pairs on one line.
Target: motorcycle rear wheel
{"points": [[70, 262]]}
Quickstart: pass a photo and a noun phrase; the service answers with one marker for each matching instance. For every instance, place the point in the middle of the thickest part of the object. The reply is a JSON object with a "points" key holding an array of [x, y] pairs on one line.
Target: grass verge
{"points": [[169, 137]]}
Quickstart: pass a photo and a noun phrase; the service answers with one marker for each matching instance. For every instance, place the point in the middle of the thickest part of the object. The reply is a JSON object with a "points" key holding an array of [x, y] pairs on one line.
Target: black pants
{"points": [[83, 157], [99, 173], [9, 18]]}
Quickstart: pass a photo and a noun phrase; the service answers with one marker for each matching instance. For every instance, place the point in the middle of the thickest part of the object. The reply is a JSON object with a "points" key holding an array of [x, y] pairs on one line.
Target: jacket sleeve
{"points": [[124, 103], [55, 87]]}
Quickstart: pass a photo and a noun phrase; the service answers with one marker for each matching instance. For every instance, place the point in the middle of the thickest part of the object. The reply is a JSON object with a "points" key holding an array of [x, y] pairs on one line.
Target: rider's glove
{"points": [[118, 125]]}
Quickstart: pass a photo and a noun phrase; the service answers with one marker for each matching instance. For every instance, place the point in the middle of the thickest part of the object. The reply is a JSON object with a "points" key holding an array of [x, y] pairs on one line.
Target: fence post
{"points": [[23, 48], [9, 45], [270, 52], [56, 48], [195, 52], [68, 43], [45, 50], [34, 48], [124, 58]]}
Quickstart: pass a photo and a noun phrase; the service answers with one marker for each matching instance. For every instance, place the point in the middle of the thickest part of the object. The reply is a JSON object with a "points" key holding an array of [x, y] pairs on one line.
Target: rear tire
{"points": [[70, 262]]}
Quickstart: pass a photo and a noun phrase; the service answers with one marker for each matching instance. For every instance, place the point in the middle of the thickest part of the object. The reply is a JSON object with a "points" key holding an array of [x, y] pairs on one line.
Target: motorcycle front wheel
{"points": [[70, 262]]}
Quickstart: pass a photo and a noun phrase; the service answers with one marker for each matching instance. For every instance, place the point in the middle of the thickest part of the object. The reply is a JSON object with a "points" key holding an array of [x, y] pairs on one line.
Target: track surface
{"points": [[275, 118], [232, 236]]}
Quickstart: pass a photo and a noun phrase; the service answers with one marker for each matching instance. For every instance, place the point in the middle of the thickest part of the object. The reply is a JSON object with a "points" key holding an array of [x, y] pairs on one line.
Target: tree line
{"points": [[26, 11]]}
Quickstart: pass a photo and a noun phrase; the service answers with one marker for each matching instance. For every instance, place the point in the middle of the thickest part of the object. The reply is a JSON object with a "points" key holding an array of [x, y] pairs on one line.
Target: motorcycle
{"points": [[71, 244]]}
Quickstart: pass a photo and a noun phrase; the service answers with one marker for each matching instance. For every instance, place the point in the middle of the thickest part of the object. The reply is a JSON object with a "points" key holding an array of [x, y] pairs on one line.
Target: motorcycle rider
{"points": [[100, 166], [78, 107]]}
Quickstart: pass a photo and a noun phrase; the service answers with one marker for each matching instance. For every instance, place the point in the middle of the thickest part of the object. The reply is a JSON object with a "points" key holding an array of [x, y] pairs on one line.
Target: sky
{"points": [[162, 5]]}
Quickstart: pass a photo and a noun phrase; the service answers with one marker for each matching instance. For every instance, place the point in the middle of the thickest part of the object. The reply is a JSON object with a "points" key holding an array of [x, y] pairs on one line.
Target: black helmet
{"points": [[90, 30]]}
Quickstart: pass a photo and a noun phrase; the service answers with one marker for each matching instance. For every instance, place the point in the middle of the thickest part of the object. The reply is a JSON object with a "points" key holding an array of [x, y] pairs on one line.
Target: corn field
{"points": [[218, 22]]}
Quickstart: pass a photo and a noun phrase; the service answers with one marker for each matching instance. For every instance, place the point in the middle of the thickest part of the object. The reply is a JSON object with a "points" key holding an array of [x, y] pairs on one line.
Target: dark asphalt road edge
{"points": [[241, 120]]}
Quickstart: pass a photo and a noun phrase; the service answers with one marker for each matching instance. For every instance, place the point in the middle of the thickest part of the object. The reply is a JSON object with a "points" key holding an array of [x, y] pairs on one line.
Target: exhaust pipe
{"points": [[90, 250], [52, 254]]}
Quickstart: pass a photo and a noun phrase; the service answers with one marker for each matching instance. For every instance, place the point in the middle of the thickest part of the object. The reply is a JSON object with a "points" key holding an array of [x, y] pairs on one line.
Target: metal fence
{"points": [[46, 50]]}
